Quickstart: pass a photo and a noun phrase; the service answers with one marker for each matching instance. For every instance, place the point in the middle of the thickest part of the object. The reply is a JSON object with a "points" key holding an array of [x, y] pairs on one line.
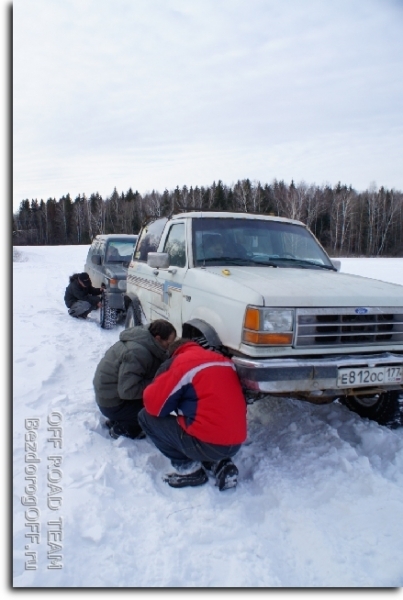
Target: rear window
{"points": [[119, 251]]}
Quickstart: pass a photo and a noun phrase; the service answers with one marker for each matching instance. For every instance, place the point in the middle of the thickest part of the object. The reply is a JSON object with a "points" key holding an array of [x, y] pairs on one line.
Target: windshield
{"points": [[120, 251], [256, 242]]}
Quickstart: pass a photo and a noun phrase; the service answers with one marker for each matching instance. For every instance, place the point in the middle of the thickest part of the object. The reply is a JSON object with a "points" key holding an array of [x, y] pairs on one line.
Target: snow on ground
{"points": [[319, 501]]}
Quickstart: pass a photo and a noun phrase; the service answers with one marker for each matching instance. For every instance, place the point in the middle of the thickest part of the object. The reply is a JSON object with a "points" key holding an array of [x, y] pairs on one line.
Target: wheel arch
{"points": [[191, 327]]}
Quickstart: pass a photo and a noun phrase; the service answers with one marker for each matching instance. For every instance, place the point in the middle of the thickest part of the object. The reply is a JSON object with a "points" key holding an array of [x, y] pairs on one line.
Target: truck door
{"points": [[95, 271], [143, 281], [171, 279]]}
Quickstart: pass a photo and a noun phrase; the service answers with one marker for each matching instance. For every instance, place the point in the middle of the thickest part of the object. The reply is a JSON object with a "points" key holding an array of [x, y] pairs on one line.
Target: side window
{"points": [[149, 239], [101, 249], [175, 245], [112, 253], [95, 247]]}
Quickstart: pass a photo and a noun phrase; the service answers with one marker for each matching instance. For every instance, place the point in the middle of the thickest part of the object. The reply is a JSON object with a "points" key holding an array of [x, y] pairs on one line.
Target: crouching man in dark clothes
{"points": [[125, 370], [80, 297], [203, 389]]}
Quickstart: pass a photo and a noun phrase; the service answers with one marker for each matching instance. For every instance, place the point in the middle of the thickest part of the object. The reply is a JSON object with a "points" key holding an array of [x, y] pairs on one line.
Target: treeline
{"points": [[347, 223]]}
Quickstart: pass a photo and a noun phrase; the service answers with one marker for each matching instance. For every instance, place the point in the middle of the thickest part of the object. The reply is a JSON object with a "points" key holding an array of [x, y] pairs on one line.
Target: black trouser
{"points": [[124, 416], [179, 446], [81, 308]]}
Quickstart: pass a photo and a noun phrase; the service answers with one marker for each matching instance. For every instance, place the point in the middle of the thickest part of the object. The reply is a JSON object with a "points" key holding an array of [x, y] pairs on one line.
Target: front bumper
{"points": [[310, 376]]}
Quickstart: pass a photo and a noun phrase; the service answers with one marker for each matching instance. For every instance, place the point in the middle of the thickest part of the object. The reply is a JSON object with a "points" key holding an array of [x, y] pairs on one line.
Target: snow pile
{"points": [[319, 502]]}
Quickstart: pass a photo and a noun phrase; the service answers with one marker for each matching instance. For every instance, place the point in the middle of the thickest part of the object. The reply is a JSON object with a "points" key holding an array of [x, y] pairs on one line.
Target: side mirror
{"points": [[158, 260], [336, 263], [96, 259]]}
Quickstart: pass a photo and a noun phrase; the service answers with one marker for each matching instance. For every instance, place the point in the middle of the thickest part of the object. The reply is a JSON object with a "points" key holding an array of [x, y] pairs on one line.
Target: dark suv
{"points": [[107, 262]]}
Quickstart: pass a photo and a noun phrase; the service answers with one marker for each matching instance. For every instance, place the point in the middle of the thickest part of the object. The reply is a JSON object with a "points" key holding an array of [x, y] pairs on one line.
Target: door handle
{"points": [[172, 270]]}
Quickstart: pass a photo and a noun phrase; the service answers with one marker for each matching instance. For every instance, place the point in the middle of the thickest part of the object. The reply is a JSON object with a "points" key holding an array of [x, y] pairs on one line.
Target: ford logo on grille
{"points": [[361, 310]]}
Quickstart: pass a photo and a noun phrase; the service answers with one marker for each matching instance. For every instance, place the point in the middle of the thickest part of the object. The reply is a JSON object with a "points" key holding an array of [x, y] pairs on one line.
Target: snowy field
{"points": [[319, 501]]}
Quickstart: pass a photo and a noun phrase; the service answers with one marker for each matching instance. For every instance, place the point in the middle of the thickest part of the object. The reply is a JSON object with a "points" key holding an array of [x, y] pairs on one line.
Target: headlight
{"points": [[276, 320], [268, 326], [122, 285]]}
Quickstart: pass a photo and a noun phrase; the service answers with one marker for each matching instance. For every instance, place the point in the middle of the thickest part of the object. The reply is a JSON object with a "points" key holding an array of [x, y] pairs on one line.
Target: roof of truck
{"points": [[233, 215], [116, 236]]}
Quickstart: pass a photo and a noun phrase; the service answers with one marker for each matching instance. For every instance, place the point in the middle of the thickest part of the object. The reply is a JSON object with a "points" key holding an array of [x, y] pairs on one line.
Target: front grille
{"points": [[344, 327]]}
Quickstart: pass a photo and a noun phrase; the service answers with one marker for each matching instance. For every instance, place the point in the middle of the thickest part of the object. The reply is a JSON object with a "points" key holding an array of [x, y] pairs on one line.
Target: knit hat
{"points": [[85, 279]]}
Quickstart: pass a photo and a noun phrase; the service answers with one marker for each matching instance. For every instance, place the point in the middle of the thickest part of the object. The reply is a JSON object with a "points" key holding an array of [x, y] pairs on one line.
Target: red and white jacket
{"points": [[203, 388]]}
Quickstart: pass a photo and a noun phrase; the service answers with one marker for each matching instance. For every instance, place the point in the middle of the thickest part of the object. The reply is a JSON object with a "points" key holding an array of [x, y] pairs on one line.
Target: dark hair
{"points": [[162, 328], [177, 344], [74, 277]]}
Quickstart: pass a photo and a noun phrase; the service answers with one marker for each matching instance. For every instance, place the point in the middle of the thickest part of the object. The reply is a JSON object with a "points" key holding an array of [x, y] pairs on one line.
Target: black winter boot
{"points": [[177, 480], [117, 430], [225, 472]]}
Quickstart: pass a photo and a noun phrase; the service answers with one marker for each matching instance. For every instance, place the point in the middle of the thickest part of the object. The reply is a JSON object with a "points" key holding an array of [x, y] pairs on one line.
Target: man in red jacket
{"points": [[195, 413]]}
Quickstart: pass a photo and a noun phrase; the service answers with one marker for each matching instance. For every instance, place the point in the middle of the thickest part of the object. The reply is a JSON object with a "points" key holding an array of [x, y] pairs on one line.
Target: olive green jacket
{"points": [[127, 367]]}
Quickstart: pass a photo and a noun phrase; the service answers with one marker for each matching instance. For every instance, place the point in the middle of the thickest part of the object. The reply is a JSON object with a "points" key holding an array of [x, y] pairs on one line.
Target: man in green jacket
{"points": [[125, 370]]}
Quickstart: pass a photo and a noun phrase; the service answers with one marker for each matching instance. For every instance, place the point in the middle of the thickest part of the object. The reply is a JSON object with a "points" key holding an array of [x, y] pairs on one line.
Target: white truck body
{"points": [[276, 305]]}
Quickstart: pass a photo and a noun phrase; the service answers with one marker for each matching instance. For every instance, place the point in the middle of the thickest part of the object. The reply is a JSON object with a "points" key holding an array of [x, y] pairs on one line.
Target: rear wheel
{"points": [[108, 316], [385, 409]]}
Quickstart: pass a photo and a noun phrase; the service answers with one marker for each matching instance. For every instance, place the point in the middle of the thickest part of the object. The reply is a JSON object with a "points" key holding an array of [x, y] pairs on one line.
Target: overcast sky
{"points": [[151, 94]]}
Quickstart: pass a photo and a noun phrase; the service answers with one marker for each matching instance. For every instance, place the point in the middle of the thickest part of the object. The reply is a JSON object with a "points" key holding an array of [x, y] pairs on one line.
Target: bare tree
{"points": [[341, 216], [388, 208]]}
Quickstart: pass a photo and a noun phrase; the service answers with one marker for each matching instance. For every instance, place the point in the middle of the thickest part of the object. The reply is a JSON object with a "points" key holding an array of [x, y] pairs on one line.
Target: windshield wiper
{"points": [[229, 260], [264, 263], [307, 263]]}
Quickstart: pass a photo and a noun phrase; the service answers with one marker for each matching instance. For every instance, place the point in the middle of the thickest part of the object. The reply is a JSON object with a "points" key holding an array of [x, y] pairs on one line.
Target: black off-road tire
{"points": [[108, 316], [386, 409], [133, 315]]}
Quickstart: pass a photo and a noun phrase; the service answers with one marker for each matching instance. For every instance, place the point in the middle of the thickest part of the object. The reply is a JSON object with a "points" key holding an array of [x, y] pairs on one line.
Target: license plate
{"points": [[369, 376]]}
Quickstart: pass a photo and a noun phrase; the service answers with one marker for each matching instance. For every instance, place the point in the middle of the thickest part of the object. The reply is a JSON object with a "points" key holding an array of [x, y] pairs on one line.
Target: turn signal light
{"points": [[252, 319], [267, 339]]}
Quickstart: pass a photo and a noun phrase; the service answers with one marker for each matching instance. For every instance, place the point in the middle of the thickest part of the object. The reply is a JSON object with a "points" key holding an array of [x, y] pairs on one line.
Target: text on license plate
{"points": [[368, 376]]}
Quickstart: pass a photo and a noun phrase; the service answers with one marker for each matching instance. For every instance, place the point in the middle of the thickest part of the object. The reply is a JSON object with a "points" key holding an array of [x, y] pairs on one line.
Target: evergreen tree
{"points": [[369, 223]]}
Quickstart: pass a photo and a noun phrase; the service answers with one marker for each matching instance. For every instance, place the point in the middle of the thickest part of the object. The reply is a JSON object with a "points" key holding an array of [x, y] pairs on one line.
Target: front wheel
{"points": [[385, 409], [108, 316], [133, 316]]}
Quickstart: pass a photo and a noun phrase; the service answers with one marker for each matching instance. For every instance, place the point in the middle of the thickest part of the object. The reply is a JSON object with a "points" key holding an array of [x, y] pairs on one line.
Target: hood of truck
{"points": [[115, 270], [310, 287]]}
